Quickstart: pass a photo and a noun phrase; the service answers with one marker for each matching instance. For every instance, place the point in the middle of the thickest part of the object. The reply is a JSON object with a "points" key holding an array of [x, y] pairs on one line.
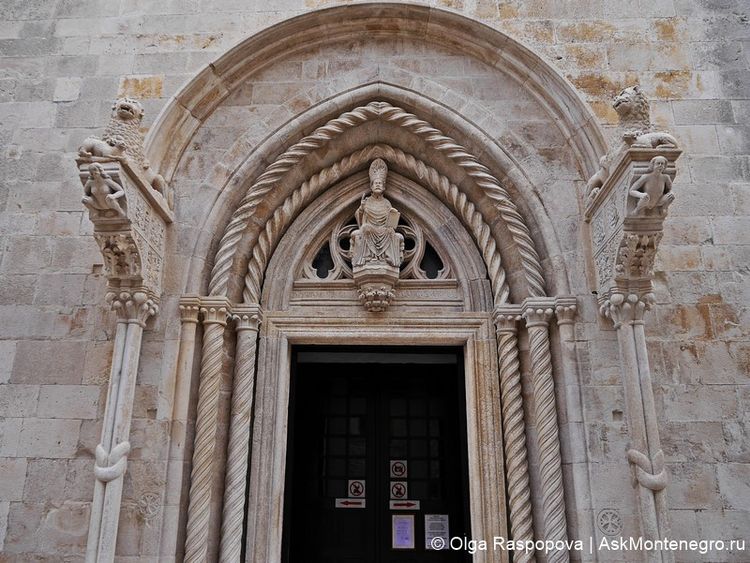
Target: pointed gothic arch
{"points": [[486, 189]]}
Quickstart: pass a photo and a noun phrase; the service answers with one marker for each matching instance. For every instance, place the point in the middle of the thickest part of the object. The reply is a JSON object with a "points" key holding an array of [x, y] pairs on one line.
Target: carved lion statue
{"points": [[634, 112], [122, 138]]}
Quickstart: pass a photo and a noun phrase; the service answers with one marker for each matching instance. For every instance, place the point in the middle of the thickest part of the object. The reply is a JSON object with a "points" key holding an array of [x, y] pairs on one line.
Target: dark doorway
{"points": [[377, 448]]}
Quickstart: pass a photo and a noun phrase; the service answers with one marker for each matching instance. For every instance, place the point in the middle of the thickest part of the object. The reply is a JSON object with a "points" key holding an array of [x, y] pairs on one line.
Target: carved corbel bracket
{"points": [[130, 221], [626, 217]]}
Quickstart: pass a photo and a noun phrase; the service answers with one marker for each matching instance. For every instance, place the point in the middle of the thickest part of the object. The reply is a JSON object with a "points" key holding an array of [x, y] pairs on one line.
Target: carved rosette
{"points": [[624, 238], [130, 232]]}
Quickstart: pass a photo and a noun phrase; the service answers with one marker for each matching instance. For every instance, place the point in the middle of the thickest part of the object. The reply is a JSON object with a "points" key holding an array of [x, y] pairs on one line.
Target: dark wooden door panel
{"points": [[348, 422]]}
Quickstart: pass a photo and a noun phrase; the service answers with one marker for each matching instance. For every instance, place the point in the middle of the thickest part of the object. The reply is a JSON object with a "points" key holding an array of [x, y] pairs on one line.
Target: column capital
{"points": [[506, 318], [537, 311], [215, 310], [247, 317], [566, 307], [189, 308], [628, 308], [132, 306]]}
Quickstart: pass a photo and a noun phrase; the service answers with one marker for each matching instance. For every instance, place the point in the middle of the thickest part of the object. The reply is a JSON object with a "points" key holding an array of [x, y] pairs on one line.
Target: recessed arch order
{"points": [[263, 189]]}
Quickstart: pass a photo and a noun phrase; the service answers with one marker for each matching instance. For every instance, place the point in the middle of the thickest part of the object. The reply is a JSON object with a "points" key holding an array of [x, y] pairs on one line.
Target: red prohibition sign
{"points": [[398, 490], [356, 489], [399, 469]]}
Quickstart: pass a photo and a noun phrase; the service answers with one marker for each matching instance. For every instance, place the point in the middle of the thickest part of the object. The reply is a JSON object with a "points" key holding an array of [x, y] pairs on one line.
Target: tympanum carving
{"points": [[377, 249]]}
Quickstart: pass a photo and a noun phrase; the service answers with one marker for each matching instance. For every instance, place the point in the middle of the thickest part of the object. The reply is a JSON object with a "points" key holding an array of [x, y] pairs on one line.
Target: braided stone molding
{"points": [[437, 183], [247, 320], [214, 319], [651, 475], [514, 433], [110, 465], [537, 313], [444, 144]]}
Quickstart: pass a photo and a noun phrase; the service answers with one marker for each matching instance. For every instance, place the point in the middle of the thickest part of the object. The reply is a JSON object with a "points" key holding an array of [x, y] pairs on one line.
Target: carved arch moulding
{"points": [[252, 236]]}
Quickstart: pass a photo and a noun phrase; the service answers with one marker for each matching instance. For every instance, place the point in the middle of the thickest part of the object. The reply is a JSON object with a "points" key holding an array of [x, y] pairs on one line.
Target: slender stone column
{"points": [[247, 320], [189, 313], [215, 311], [645, 454], [537, 313], [514, 433], [133, 310]]}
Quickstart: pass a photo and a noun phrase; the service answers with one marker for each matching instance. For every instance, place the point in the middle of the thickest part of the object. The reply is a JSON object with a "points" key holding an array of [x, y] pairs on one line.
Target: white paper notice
{"points": [[436, 531], [402, 531]]}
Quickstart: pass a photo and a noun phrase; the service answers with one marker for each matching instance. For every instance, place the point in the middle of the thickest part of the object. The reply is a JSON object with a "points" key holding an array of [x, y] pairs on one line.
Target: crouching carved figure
{"points": [[377, 249]]}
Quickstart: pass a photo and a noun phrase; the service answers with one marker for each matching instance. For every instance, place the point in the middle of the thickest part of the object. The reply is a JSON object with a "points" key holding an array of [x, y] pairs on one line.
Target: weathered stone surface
{"points": [[62, 63]]}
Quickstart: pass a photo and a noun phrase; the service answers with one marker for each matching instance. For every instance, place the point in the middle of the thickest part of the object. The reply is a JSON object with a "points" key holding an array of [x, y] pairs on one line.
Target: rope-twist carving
{"points": [[517, 467], [549, 442], [321, 136], [111, 465], [239, 446], [203, 454], [654, 475], [432, 179]]}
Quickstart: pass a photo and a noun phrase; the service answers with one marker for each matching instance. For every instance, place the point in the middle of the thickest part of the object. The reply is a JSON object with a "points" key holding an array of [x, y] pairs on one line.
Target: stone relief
{"points": [[653, 190], [377, 249], [635, 130], [609, 522], [376, 239], [333, 260], [122, 139], [103, 194]]}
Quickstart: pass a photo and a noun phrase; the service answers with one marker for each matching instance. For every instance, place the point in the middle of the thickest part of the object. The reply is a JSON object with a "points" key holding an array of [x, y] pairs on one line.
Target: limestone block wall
{"points": [[63, 62]]}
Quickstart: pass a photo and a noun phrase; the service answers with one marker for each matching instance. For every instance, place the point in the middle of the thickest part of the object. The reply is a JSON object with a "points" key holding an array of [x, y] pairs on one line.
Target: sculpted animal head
{"points": [[631, 105], [126, 109]]}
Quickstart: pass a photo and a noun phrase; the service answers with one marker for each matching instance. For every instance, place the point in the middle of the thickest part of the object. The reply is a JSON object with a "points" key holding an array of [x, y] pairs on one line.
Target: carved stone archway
{"points": [[488, 196]]}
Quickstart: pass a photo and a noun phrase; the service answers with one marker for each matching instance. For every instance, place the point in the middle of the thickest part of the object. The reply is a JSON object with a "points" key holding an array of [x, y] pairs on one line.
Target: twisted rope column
{"points": [[537, 313], [214, 312], [514, 433], [247, 320]]}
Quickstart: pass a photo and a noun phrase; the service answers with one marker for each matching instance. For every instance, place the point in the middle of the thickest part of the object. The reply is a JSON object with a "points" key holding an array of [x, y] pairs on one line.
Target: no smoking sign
{"points": [[399, 490], [357, 488]]}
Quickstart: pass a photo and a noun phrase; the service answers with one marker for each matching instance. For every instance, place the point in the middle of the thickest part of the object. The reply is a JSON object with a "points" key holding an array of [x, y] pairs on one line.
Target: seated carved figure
{"points": [[102, 193], [376, 239], [653, 190]]}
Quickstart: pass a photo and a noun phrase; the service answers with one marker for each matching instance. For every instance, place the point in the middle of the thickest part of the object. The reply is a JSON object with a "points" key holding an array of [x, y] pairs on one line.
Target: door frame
{"points": [[474, 332]]}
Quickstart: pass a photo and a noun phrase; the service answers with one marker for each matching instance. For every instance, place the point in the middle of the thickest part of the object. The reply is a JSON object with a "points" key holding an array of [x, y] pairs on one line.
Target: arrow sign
{"points": [[350, 503], [404, 505]]}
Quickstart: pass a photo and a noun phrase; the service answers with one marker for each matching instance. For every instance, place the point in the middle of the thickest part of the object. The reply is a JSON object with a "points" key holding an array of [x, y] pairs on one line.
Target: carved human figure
{"points": [[102, 193], [653, 190], [376, 239]]}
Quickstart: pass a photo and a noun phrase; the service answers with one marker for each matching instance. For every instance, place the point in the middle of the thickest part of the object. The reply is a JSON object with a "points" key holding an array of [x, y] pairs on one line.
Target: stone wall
{"points": [[64, 61]]}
